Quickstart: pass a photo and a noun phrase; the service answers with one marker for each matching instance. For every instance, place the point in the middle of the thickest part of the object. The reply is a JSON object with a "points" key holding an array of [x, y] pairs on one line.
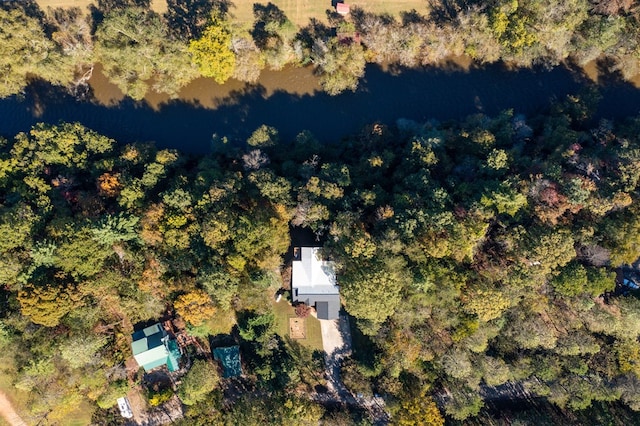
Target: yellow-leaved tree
{"points": [[195, 307], [212, 52], [46, 305], [418, 411]]}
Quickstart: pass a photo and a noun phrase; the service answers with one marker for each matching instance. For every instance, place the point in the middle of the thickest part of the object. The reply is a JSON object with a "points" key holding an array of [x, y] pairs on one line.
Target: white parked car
{"points": [[125, 407]]}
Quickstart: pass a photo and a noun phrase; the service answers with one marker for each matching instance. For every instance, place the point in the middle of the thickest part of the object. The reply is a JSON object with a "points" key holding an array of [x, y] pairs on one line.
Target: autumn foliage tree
{"points": [[134, 46], [27, 50], [109, 184], [212, 52], [340, 65], [418, 411], [195, 307], [47, 305]]}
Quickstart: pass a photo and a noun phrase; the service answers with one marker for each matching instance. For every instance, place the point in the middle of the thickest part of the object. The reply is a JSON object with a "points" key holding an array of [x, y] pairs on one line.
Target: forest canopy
{"points": [[471, 254]]}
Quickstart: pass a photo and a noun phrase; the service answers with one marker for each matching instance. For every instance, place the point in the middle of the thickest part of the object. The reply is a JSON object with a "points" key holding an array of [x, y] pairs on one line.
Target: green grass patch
{"points": [[301, 11], [222, 322], [283, 311], [81, 416], [298, 11]]}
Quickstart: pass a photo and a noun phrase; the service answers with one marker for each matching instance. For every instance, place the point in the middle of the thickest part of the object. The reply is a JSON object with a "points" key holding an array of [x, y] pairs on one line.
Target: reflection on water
{"points": [[591, 70], [207, 93], [290, 100], [104, 91]]}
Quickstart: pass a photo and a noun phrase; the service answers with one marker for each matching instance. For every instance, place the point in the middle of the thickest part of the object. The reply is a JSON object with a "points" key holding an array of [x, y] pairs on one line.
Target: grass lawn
{"points": [[283, 311], [298, 11], [81, 416], [222, 322]]}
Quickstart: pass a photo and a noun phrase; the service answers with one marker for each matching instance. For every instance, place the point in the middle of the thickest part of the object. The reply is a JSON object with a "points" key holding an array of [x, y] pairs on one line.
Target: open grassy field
{"points": [[298, 11]]}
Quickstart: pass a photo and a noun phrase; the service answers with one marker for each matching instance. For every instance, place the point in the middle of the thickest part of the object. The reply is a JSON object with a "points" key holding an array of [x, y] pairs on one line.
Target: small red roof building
{"points": [[342, 8]]}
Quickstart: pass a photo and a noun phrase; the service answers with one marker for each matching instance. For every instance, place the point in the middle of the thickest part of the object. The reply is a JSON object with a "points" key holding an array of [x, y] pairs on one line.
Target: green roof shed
{"points": [[230, 359]]}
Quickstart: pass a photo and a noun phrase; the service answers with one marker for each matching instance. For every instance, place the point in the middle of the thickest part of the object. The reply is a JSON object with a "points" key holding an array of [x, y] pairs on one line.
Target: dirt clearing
{"points": [[8, 413], [297, 329]]}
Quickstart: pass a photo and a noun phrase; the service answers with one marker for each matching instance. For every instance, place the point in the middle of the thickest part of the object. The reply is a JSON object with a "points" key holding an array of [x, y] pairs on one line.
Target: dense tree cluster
{"points": [[470, 254], [140, 50]]}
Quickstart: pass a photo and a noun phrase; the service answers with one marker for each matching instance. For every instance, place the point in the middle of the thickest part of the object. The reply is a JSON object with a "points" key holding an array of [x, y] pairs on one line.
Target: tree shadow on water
{"points": [[416, 95], [608, 73]]}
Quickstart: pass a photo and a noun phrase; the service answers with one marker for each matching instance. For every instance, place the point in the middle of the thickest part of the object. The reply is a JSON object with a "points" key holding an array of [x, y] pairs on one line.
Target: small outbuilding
{"points": [[152, 347], [229, 357], [342, 9], [313, 282]]}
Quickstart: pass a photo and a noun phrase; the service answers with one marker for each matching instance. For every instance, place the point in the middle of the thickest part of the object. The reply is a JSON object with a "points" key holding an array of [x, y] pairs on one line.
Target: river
{"points": [[291, 101]]}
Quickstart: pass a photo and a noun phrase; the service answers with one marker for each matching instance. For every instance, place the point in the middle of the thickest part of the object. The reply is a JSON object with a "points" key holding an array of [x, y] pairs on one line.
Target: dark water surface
{"points": [[235, 110]]}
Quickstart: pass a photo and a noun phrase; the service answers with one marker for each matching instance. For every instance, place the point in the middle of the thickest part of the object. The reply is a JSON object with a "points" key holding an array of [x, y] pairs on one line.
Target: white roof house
{"points": [[313, 281]]}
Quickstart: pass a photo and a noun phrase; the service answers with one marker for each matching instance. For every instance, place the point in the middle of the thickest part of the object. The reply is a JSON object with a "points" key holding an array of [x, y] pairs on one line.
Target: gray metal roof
{"points": [[327, 305]]}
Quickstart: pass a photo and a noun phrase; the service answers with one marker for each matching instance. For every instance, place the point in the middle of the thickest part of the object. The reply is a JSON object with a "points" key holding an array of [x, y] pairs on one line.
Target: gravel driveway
{"points": [[336, 341]]}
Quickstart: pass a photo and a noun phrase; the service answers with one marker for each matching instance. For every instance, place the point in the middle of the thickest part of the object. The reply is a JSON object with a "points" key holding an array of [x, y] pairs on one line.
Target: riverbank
{"points": [[338, 46], [302, 81]]}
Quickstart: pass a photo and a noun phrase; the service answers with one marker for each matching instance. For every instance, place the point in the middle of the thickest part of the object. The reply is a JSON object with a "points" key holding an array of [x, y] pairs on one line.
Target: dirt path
{"points": [[8, 413]]}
